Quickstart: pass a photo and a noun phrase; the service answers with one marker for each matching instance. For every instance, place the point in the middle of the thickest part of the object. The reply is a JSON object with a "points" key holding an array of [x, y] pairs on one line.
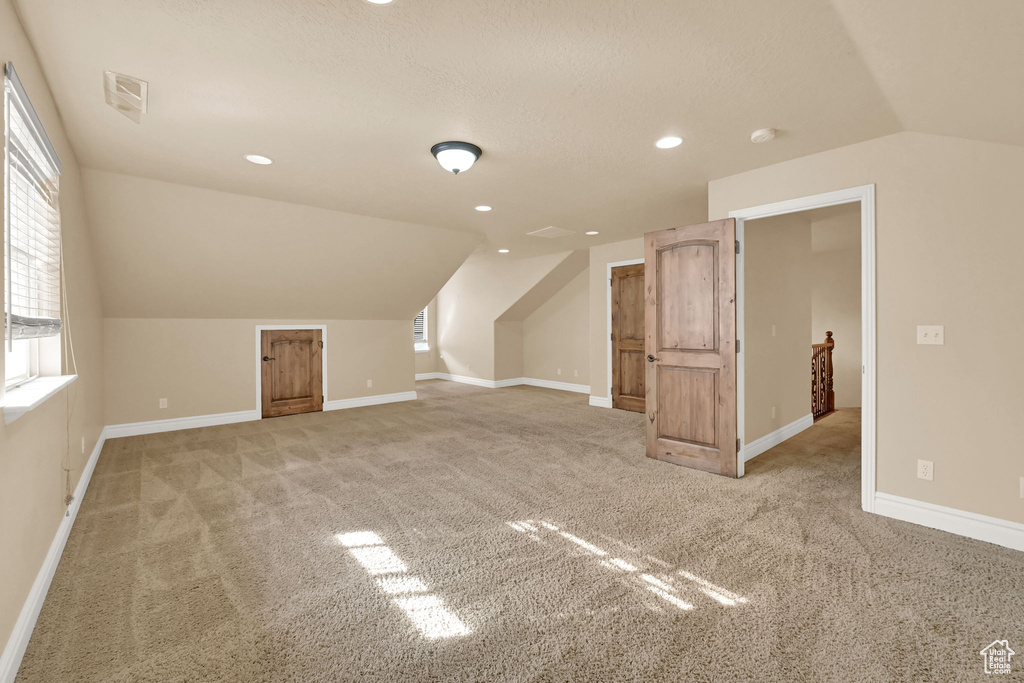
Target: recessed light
{"points": [[503, 251], [590, 232], [668, 143], [483, 208], [259, 159]]}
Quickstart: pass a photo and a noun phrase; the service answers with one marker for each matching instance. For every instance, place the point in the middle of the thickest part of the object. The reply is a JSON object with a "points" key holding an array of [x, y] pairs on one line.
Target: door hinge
{"points": [[737, 246], [612, 336], [609, 282], [737, 444], [737, 346]]}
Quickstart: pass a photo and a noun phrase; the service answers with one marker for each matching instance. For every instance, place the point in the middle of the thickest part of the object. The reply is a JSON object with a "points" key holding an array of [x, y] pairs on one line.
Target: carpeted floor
{"points": [[513, 534]]}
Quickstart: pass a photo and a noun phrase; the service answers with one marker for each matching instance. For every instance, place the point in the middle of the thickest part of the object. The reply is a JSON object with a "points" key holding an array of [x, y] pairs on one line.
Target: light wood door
{"points": [[292, 372], [691, 346], [628, 381]]}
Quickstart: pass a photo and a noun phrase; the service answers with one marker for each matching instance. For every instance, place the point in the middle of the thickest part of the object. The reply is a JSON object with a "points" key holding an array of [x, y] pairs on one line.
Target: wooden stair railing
{"points": [[823, 398]]}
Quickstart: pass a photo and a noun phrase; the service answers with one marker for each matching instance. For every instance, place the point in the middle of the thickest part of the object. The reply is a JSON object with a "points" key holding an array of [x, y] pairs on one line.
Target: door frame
{"points": [[259, 357], [608, 321], [865, 195]]}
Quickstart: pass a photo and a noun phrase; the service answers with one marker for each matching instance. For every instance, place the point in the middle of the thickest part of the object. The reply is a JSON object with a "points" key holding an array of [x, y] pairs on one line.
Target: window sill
{"points": [[19, 400], [422, 348]]}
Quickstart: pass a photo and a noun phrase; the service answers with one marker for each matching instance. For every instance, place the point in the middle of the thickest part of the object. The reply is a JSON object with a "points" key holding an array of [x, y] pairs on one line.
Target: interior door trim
{"points": [[608, 318], [259, 355], [865, 194]]}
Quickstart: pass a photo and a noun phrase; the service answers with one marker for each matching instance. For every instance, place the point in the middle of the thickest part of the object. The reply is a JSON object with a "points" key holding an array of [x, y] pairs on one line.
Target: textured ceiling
{"points": [[566, 98]]}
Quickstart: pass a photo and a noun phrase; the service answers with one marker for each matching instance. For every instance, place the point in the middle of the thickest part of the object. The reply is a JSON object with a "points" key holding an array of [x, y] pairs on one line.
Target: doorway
{"points": [[864, 197], [627, 337], [292, 369]]}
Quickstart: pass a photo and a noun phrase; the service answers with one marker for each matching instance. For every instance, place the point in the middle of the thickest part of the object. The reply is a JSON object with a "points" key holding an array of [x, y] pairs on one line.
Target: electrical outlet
{"points": [[931, 334], [773, 334], [369, 383], [559, 371], [1021, 485], [773, 412], [925, 470], [163, 403], [575, 373]]}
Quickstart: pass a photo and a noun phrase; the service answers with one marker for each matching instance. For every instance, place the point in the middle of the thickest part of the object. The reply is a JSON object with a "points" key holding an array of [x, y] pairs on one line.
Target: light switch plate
{"points": [[931, 334]]}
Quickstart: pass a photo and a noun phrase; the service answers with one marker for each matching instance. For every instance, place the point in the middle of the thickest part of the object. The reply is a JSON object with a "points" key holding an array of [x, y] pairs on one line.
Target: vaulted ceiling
{"points": [[565, 98]]}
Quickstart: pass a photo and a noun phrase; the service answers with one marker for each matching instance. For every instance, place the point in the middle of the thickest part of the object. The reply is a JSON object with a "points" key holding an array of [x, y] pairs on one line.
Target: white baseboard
{"points": [[175, 424], [559, 386], [601, 401], [969, 524], [502, 383], [13, 652], [379, 399], [759, 446]]}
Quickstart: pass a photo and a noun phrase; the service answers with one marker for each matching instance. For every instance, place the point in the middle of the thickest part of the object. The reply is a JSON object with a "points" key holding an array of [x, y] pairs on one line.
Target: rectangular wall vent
{"points": [[126, 94], [551, 232]]}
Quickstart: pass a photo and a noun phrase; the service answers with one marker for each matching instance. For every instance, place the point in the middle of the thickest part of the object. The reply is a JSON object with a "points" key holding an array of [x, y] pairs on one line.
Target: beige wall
{"points": [[426, 361], [557, 335], [469, 305], [835, 296], [204, 367], [32, 448], [600, 257], [947, 254], [777, 317]]}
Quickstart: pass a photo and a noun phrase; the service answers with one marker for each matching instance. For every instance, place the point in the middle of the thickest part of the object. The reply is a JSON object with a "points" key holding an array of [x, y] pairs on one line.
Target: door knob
{"points": [[266, 358], [651, 359]]}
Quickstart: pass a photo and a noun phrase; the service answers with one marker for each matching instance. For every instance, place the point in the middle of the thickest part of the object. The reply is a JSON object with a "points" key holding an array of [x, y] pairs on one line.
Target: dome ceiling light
{"points": [[456, 156], [762, 135]]}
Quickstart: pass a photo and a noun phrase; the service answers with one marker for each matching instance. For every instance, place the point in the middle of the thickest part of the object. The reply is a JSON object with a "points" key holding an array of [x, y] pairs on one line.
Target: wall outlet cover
{"points": [[925, 470]]}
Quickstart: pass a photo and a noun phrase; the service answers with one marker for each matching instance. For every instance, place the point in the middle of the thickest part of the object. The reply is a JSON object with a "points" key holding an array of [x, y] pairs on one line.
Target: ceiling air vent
{"points": [[128, 95], [550, 232]]}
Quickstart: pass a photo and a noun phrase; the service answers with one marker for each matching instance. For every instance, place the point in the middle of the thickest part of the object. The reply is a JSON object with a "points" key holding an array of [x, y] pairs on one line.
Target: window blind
{"points": [[419, 327], [32, 259]]}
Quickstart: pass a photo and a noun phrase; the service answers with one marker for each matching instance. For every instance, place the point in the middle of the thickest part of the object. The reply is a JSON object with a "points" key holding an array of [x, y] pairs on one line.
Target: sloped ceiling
{"points": [[174, 251], [566, 98], [558, 277]]}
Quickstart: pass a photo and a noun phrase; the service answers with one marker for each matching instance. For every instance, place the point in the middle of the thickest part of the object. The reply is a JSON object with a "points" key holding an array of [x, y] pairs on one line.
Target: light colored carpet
{"points": [[214, 555]]}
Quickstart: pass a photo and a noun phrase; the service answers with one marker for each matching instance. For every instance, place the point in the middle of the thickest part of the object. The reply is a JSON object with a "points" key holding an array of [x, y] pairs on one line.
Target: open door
{"points": [[690, 340]]}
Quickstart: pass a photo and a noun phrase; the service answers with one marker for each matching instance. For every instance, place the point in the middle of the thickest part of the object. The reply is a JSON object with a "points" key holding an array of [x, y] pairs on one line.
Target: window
{"points": [[419, 332], [32, 258]]}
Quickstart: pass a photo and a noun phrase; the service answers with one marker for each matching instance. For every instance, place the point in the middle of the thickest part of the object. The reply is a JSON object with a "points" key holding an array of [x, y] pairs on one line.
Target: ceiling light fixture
{"points": [[590, 232], [456, 156], [483, 208], [259, 159], [378, 2], [762, 135], [503, 251], [668, 143]]}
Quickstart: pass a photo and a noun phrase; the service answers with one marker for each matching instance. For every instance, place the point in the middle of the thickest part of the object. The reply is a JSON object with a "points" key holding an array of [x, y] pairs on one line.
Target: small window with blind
{"points": [[32, 252], [419, 332]]}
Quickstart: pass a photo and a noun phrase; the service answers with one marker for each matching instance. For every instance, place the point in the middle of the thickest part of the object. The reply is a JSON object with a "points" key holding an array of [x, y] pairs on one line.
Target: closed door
{"points": [[292, 372], [628, 381], [691, 346]]}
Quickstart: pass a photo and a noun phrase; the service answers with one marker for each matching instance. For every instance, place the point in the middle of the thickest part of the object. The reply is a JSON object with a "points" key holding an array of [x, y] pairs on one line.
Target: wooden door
{"points": [[691, 346], [628, 369], [292, 372]]}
